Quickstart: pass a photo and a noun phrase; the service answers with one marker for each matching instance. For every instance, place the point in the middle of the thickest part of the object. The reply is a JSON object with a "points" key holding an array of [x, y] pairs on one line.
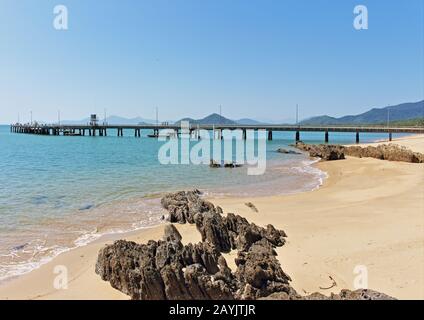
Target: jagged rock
{"points": [[204, 254], [274, 236], [205, 287], [130, 268], [171, 234], [247, 236], [260, 273], [211, 226], [166, 269], [225, 233], [324, 151], [235, 222], [361, 294], [183, 205], [389, 152], [243, 234]]}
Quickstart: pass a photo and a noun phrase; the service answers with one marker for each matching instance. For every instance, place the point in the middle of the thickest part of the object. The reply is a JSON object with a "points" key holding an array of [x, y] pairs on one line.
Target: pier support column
{"points": [[297, 136], [326, 136], [244, 134], [390, 136], [357, 136], [270, 135]]}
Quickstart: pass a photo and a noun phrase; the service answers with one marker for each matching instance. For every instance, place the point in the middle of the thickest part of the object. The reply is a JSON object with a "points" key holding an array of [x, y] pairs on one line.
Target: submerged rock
{"points": [[232, 165], [214, 164], [285, 151]]}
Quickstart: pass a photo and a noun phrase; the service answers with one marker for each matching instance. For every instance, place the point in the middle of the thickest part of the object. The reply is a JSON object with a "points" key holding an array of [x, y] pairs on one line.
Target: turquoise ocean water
{"points": [[57, 193]]}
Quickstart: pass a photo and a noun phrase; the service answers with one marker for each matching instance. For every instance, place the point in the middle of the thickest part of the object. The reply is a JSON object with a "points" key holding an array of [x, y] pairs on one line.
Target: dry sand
{"points": [[368, 213]]}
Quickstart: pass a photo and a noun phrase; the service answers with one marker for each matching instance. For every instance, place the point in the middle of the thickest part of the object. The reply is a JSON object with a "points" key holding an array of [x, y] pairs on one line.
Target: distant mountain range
{"points": [[114, 120], [214, 118], [401, 112], [404, 111], [211, 119]]}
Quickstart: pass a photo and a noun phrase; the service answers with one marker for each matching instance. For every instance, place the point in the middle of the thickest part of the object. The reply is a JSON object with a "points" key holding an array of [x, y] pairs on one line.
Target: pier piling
{"points": [[270, 135], [297, 136]]}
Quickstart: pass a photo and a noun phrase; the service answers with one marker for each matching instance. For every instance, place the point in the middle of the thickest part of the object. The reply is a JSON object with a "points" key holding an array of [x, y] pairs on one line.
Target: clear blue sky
{"points": [[257, 58]]}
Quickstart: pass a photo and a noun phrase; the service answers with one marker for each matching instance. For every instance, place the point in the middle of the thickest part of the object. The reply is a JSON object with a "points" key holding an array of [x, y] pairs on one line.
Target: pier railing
{"points": [[102, 130]]}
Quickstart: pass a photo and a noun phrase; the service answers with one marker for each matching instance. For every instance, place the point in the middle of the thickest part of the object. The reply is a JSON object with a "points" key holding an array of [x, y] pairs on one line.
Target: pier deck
{"points": [[102, 130]]}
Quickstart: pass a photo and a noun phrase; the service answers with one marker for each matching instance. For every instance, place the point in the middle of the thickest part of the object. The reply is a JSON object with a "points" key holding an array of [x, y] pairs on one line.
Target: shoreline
{"points": [[155, 210], [356, 201]]}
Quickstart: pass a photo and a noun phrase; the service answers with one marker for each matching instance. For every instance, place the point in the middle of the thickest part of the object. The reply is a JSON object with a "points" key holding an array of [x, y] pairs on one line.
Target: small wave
{"points": [[147, 213]]}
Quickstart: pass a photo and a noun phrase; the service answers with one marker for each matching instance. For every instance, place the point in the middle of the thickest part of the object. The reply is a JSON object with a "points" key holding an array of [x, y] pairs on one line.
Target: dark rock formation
{"points": [[360, 294], [183, 205], [259, 272], [213, 230], [252, 206], [324, 151], [167, 269], [214, 164], [232, 165], [390, 152], [225, 233]]}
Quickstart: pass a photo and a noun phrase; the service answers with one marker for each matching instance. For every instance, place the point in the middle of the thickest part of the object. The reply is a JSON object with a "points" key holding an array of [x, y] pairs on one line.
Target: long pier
{"points": [[102, 130]]}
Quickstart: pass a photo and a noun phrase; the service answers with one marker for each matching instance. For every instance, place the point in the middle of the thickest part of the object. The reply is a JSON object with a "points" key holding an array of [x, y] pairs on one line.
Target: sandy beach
{"points": [[368, 213]]}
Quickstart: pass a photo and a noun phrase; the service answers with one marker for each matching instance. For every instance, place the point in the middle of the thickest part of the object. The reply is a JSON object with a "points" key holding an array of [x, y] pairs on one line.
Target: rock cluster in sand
{"points": [[390, 152], [167, 269]]}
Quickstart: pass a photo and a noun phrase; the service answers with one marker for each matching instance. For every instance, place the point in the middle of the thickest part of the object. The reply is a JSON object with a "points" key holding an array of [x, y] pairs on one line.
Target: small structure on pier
{"points": [[94, 121]]}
